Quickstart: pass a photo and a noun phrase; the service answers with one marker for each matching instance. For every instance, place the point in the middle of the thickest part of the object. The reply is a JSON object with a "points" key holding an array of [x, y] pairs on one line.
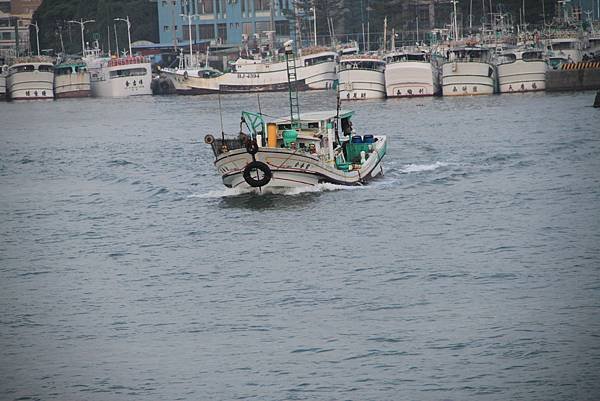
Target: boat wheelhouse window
{"points": [[23, 68], [530, 56], [318, 60], [406, 57], [63, 70], [80, 68], [313, 125], [346, 126], [129, 72], [45, 68], [563, 45], [508, 58], [363, 65], [208, 74]]}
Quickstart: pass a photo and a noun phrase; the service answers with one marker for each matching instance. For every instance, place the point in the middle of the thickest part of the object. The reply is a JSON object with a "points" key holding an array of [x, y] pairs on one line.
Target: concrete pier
{"points": [[574, 77]]}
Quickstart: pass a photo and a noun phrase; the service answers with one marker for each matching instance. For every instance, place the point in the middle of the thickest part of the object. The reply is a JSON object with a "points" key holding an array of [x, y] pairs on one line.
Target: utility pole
{"points": [[128, 32], [37, 36], [82, 25], [315, 20]]}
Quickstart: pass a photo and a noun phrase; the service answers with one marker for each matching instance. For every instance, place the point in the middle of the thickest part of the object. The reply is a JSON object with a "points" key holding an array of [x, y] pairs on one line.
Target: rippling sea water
{"points": [[471, 271]]}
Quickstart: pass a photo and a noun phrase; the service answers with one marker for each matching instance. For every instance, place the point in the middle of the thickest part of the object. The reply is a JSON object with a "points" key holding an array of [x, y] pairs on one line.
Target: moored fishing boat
{"points": [[361, 77], [30, 79], [521, 70], [468, 70], [314, 70], [408, 74], [3, 73], [72, 79], [118, 77]]}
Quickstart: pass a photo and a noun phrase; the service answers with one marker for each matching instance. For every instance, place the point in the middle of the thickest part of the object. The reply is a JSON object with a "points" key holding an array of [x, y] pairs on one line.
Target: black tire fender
{"points": [[185, 75], [252, 147], [254, 182]]}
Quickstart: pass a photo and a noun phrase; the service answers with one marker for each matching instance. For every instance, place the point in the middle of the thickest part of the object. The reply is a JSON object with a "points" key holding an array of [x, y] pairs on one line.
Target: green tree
{"points": [[53, 16]]}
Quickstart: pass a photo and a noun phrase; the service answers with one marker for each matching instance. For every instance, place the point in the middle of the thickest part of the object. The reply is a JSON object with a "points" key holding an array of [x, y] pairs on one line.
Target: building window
{"points": [[186, 32], [205, 7], [207, 31], [164, 3], [166, 28], [247, 29], [282, 28], [261, 5], [222, 32]]}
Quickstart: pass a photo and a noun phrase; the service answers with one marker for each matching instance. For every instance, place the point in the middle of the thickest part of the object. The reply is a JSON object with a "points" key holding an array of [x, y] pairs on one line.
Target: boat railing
{"points": [[127, 61], [223, 145]]}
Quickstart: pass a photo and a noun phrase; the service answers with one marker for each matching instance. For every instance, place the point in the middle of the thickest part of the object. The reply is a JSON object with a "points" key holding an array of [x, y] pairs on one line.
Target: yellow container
{"points": [[272, 135]]}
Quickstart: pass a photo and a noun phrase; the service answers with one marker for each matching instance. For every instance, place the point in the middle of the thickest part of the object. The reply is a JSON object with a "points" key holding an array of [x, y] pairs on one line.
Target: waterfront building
{"points": [[221, 21]]}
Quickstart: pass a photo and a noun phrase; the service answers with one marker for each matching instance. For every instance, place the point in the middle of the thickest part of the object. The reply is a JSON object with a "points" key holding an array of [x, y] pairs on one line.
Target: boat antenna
{"points": [[337, 113], [258, 99], [221, 116]]}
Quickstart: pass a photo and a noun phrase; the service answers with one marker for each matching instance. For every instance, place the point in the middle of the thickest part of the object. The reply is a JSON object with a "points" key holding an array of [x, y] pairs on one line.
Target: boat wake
{"points": [[234, 192], [417, 168]]}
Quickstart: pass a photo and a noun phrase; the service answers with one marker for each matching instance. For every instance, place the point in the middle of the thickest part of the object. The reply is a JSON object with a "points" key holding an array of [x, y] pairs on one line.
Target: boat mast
{"points": [[292, 76]]}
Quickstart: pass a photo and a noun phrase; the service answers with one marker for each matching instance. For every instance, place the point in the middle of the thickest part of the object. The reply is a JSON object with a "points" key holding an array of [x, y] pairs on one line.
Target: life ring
{"points": [[209, 139], [252, 147], [185, 75], [257, 182]]}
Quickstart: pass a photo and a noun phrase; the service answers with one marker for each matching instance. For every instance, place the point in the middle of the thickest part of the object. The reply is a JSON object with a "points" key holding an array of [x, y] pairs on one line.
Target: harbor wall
{"points": [[587, 77]]}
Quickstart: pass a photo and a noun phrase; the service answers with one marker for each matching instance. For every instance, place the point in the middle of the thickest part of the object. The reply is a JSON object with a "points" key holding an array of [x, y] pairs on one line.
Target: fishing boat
{"points": [[3, 74], [299, 150], [362, 77], [314, 70], [118, 77], [72, 79], [30, 79], [468, 70], [408, 74], [521, 70]]}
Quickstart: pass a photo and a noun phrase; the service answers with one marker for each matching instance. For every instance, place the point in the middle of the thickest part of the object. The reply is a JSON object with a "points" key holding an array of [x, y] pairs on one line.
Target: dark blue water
{"points": [[471, 271]]}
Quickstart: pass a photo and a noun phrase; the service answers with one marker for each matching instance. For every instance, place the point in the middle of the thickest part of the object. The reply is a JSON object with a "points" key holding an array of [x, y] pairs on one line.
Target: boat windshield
{"points": [[476, 55], [532, 56], [374, 65], [398, 58], [319, 60], [564, 45], [129, 72]]}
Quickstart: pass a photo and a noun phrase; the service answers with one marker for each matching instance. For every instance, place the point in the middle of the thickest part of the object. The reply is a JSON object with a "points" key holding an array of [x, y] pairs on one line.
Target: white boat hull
{"points": [[72, 85], [296, 169], [467, 78], [105, 84], [361, 84], [259, 77], [34, 85], [2, 87], [522, 76], [409, 79]]}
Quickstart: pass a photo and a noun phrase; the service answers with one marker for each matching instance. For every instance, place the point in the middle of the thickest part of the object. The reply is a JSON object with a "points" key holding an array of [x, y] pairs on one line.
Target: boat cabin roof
{"points": [[316, 116]]}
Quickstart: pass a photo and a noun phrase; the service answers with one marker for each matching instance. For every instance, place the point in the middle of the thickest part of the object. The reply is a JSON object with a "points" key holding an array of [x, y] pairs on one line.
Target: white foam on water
{"points": [[232, 192], [417, 168]]}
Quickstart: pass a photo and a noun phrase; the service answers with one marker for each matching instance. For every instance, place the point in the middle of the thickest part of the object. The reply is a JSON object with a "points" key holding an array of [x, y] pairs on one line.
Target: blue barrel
{"points": [[357, 139], [368, 139]]}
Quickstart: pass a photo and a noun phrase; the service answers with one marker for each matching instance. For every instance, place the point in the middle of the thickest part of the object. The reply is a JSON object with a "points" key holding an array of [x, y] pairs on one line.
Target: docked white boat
{"points": [[72, 79], [408, 74], [313, 71], [30, 79], [567, 48], [275, 155], [3, 74], [119, 77], [522, 70], [468, 71], [362, 77]]}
